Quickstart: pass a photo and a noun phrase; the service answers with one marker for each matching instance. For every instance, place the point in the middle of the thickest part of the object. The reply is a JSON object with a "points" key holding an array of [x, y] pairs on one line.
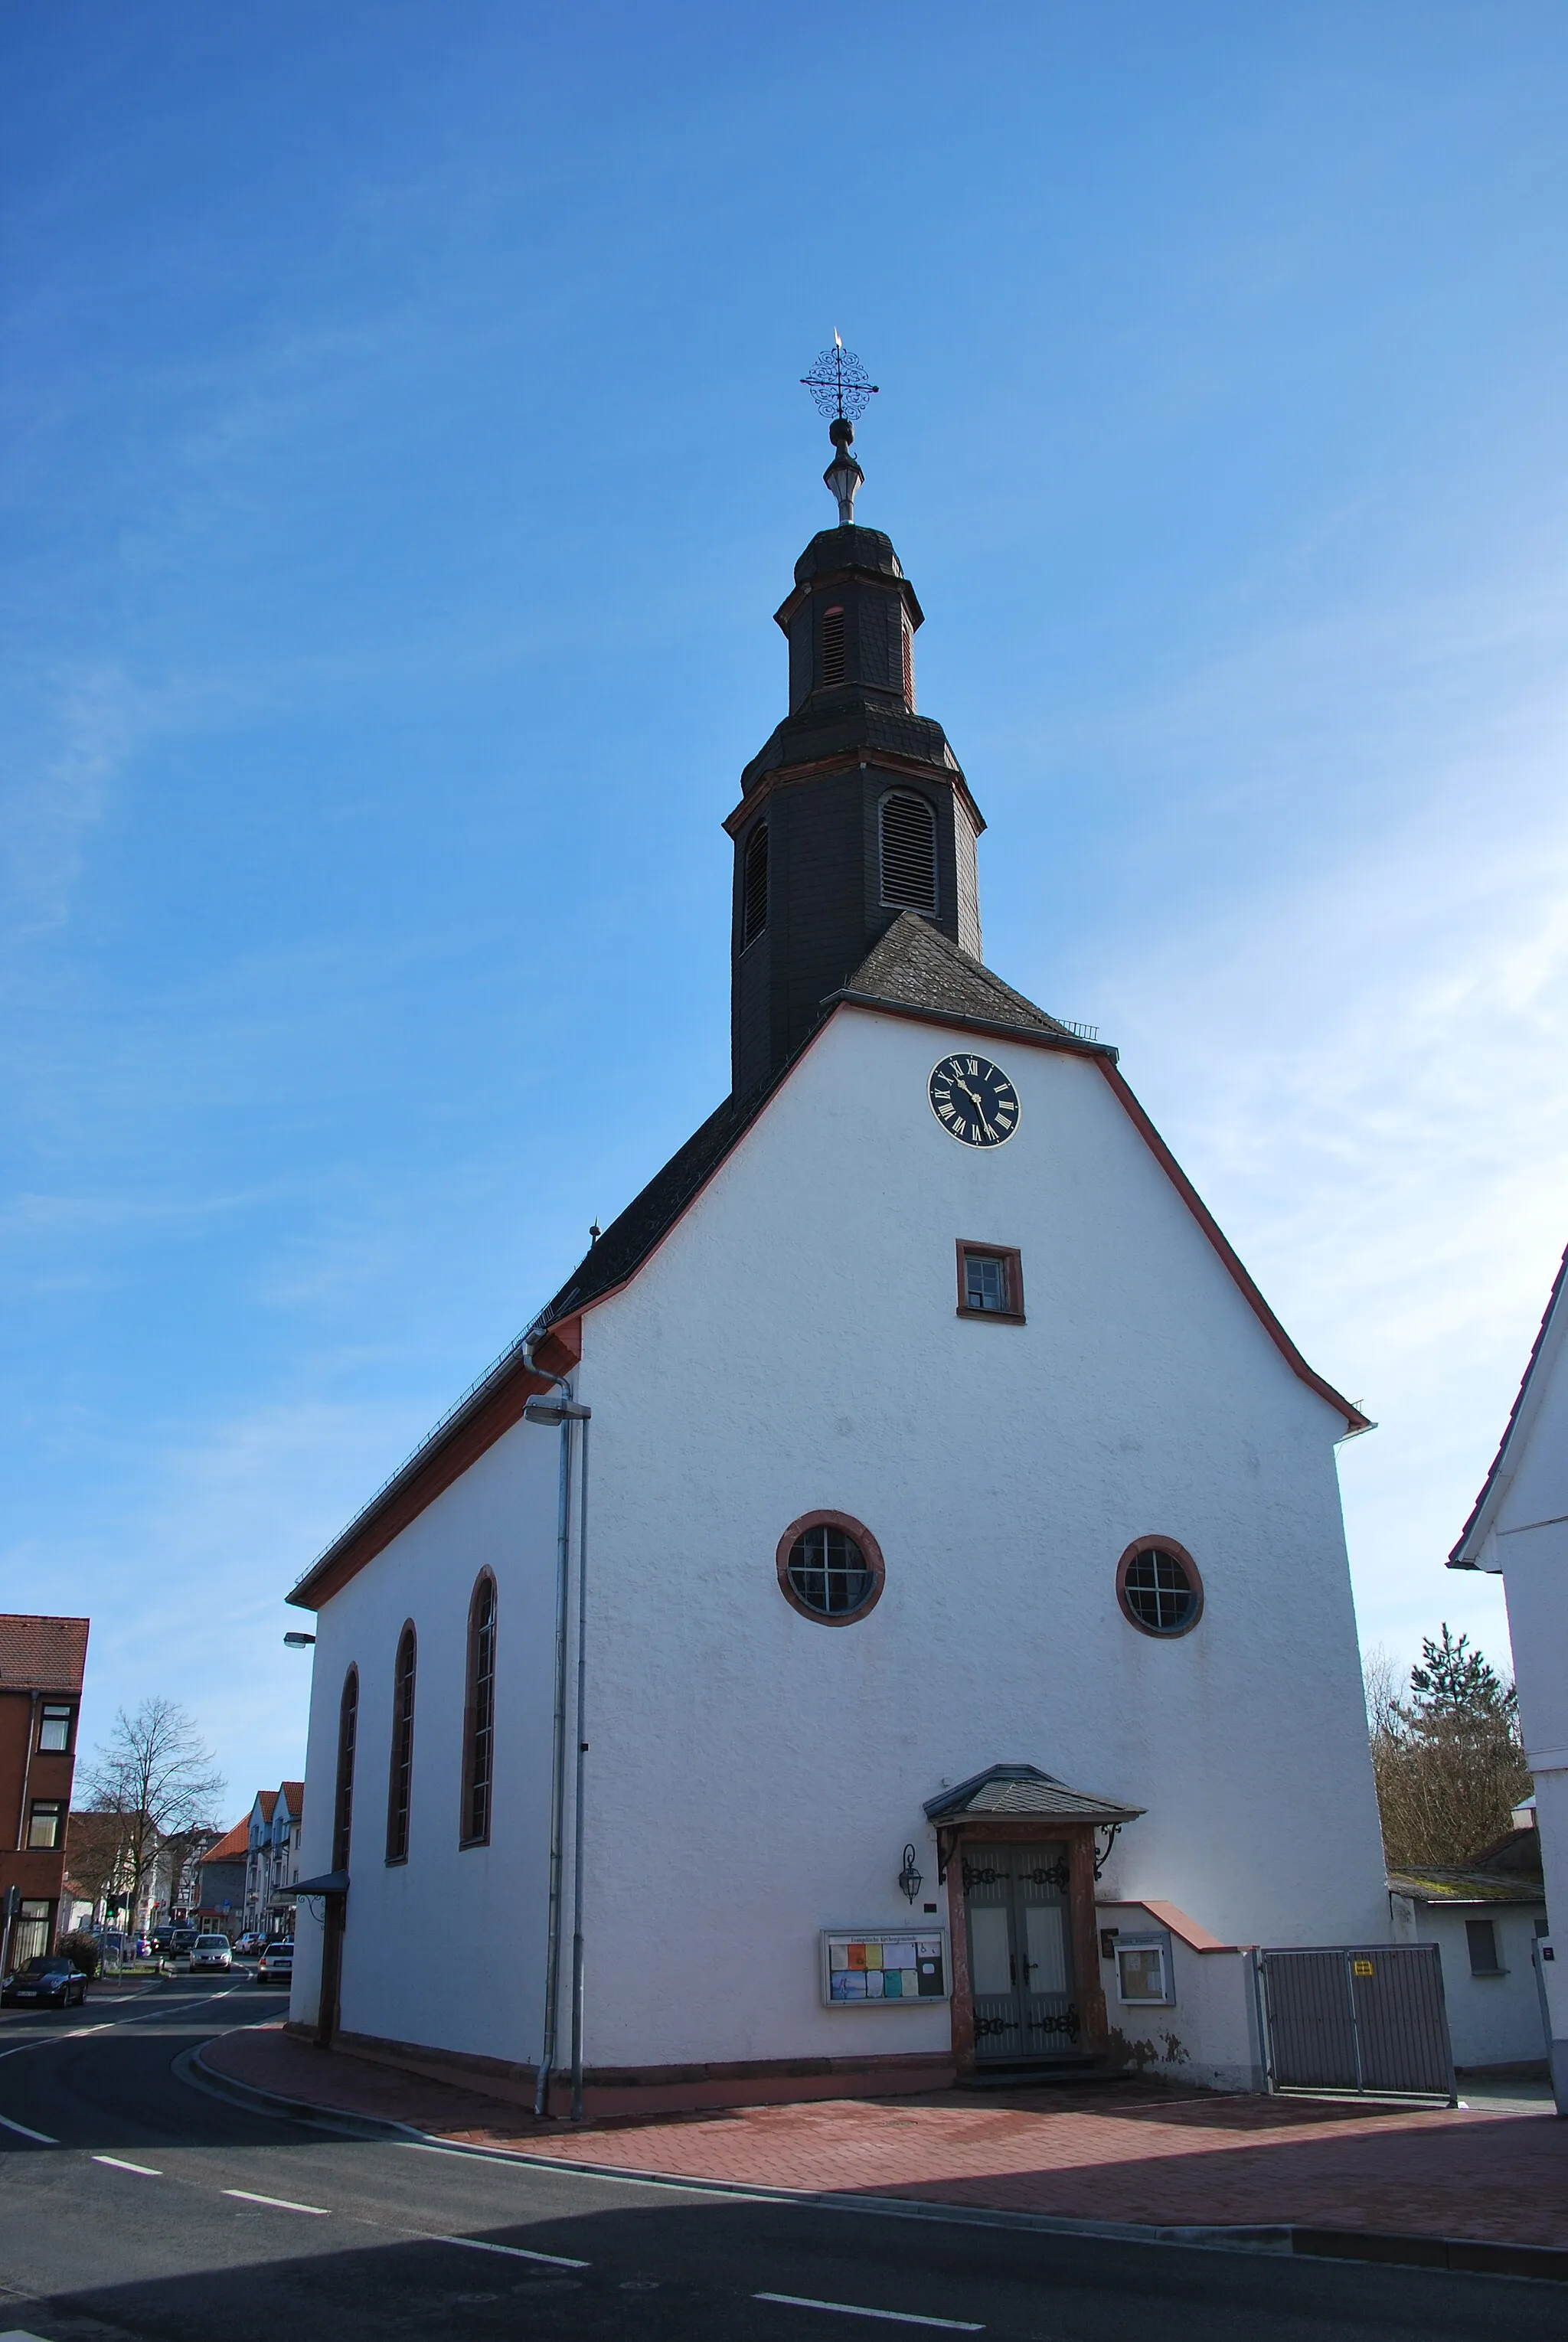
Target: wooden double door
{"points": [[1018, 1921]]}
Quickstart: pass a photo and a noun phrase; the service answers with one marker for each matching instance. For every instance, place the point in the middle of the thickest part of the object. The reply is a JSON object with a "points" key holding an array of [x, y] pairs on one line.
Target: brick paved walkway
{"points": [[1124, 2153]]}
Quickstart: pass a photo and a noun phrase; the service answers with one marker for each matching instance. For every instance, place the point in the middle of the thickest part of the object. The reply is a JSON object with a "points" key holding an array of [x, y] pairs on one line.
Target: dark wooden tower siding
{"points": [[856, 809]]}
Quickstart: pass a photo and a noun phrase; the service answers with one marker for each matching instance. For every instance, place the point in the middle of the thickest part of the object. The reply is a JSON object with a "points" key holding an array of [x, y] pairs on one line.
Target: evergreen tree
{"points": [[1446, 1758]]}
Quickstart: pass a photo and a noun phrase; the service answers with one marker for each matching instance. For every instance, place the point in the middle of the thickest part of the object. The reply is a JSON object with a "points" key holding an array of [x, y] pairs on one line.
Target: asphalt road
{"points": [[134, 2206]]}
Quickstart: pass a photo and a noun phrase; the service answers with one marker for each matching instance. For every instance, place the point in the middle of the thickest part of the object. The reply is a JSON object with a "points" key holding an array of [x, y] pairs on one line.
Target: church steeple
{"points": [[856, 809]]}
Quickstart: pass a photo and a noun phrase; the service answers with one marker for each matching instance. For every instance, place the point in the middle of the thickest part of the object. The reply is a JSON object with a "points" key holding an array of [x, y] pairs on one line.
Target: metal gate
{"points": [[1366, 2018]]}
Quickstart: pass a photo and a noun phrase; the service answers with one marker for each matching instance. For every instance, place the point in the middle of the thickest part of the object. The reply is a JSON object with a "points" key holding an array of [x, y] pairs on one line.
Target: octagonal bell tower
{"points": [[856, 809]]}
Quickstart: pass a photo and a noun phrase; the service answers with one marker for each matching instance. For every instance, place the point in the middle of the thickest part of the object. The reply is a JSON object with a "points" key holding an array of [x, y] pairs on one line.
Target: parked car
{"points": [[211, 1952], [46, 1977], [250, 1945], [275, 1964]]}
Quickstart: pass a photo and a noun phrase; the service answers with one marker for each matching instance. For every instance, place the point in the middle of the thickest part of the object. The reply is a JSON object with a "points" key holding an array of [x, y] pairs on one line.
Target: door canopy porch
{"points": [[1020, 1801]]}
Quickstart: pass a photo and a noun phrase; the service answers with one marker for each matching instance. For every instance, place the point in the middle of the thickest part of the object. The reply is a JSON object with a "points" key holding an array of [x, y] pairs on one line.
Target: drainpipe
{"points": [[578, 1794], [565, 1412]]}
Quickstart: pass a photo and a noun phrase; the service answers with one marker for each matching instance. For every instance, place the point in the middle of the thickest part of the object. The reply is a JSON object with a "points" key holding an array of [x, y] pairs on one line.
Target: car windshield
{"points": [[212, 1943], [47, 1964], [278, 1947]]}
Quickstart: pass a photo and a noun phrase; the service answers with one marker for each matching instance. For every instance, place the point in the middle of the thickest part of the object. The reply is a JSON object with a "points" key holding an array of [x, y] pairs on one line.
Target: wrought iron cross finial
{"points": [[839, 385]]}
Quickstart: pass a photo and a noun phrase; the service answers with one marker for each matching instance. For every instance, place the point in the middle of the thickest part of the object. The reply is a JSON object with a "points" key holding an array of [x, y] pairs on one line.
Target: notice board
{"points": [[884, 1966]]}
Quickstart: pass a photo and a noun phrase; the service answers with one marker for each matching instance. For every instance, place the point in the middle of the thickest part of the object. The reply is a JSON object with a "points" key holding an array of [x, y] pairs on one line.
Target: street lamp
{"points": [[297, 1640]]}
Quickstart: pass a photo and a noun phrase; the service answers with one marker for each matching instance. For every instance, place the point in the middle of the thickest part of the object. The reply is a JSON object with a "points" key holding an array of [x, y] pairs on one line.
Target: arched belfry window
{"points": [[479, 1715], [832, 666], [342, 1802], [908, 852], [400, 1783], [754, 886]]}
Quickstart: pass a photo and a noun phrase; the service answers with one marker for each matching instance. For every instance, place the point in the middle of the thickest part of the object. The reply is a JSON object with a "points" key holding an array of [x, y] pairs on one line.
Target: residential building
{"points": [[1484, 1919], [1518, 1528], [964, 1558], [221, 1896], [273, 1858], [42, 1661]]}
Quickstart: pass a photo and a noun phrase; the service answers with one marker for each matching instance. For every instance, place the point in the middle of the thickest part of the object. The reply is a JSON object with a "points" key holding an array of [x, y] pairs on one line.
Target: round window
{"points": [[1158, 1586], [830, 1568]]}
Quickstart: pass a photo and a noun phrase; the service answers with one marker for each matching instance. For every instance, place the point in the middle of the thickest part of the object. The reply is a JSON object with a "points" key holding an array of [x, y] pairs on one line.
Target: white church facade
{"points": [[955, 1665]]}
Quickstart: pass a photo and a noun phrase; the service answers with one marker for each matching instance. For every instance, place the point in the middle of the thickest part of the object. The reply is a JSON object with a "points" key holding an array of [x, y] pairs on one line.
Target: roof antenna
{"points": [[842, 390]]}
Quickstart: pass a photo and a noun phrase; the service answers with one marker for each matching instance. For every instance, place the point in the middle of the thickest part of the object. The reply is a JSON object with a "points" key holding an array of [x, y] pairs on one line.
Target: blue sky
{"points": [[403, 455]]}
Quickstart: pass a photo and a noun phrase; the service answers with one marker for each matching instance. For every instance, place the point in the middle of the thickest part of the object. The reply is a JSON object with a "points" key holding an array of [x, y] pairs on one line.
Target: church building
{"points": [[888, 1618]]}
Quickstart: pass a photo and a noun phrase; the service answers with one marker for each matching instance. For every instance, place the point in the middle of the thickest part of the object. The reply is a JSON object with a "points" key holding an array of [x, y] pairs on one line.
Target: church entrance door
{"points": [[1015, 1903]]}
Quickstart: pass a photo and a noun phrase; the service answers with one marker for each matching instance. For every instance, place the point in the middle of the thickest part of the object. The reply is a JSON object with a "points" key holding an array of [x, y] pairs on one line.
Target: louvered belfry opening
{"points": [[908, 662], [908, 852], [754, 886], [833, 663]]}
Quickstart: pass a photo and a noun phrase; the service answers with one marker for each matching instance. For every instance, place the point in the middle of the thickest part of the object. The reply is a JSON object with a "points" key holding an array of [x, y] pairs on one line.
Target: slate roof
{"points": [[841, 722], [916, 965], [42, 1654], [1025, 1790]]}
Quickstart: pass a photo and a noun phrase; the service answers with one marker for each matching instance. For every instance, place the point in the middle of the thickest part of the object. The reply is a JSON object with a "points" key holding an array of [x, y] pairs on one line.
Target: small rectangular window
{"points": [[989, 1283], [1481, 1935], [54, 1728], [1143, 1972], [46, 1823]]}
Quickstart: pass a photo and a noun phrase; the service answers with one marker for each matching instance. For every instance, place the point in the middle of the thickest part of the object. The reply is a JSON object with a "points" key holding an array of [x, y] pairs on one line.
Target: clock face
{"points": [[973, 1100]]}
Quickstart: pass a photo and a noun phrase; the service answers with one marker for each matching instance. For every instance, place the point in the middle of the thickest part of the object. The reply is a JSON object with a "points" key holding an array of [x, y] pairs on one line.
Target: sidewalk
{"points": [[1127, 2154]]}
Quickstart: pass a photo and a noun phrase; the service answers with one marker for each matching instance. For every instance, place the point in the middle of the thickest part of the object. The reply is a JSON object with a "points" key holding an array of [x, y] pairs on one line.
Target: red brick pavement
{"points": [[1127, 2153]]}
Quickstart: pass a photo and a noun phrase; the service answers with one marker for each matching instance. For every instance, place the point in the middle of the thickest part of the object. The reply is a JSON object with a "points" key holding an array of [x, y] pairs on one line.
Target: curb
{"points": [[1459, 2256]]}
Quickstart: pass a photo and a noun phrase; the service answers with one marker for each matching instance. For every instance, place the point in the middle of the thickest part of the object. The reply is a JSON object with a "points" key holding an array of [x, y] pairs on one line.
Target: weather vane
{"points": [[839, 384]]}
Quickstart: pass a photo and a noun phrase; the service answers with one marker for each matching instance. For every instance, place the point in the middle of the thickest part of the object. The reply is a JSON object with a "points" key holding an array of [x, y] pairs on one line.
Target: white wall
{"points": [[1492, 2020], [797, 1344], [446, 1949], [1206, 2036]]}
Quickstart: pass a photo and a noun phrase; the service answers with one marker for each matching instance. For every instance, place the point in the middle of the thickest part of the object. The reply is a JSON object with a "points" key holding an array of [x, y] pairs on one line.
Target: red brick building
{"points": [[40, 1666]]}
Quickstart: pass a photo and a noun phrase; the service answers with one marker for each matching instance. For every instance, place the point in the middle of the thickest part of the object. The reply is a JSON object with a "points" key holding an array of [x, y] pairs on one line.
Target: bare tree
{"points": [[1445, 1754], [154, 1774]]}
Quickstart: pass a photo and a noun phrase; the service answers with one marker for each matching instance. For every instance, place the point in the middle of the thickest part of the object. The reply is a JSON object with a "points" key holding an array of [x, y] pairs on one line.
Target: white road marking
{"points": [[118, 2163], [278, 2203], [513, 2252], [857, 2309], [41, 2137]]}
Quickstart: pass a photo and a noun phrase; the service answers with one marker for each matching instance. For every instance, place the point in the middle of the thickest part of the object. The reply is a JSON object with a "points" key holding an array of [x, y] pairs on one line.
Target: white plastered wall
{"points": [[446, 1949], [1493, 2020], [796, 1344]]}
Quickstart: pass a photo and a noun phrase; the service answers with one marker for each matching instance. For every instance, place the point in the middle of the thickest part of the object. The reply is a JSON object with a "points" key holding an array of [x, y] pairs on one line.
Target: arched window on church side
{"points": [[479, 1715], [342, 1803], [754, 886], [400, 1785], [908, 852]]}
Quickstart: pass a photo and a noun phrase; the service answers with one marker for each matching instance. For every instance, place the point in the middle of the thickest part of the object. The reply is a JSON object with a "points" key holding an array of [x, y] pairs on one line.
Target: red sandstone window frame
{"points": [[342, 1797], [871, 1553], [400, 1773], [1012, 1261], [479, 1720], [1194, 1578]]}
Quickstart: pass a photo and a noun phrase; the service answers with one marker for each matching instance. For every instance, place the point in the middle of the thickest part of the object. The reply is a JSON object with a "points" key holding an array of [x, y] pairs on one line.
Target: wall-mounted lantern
{"points": [[908, 1877]]}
